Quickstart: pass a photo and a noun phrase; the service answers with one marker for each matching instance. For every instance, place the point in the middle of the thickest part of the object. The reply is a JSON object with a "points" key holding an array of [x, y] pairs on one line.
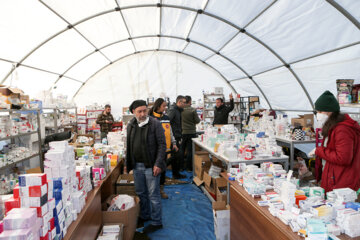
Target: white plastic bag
{"points": [[121, 202]]}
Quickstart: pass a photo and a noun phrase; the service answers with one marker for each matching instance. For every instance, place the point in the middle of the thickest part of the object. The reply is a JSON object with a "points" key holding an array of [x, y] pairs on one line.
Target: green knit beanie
{"points": [[327, 103]]}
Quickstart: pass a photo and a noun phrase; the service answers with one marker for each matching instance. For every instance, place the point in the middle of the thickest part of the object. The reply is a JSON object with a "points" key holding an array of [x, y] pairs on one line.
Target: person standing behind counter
{"points": [[221, 112], [338, 159], [105, 120]]}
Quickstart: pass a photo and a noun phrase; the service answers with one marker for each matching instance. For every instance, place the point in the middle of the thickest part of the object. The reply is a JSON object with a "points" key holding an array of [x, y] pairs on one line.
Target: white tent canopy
{"points": [[287, 51]]}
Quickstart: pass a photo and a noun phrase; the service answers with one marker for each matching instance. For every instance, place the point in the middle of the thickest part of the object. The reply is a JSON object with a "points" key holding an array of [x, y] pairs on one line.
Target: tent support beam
{"points": [[160, 50], [343, 11], [38, 69], [126, 26], [332, 2], [188, 40]]}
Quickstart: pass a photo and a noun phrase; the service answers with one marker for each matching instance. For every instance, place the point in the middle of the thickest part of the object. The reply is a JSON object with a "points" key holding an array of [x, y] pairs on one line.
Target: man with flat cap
{"points": [[145, 155]]}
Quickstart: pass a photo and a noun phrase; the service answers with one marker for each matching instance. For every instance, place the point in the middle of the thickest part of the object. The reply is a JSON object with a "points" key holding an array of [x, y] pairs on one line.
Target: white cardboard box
{"points": [[221, 213]]}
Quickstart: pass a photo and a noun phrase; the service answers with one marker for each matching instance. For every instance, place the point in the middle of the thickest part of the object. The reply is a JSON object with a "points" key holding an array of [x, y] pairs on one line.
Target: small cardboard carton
{"points": [[201, 163], [75, 144], [221, 213], [221, 186], [125, 185], [12, 95], [211, 184], [306, 120], [128, 218]]}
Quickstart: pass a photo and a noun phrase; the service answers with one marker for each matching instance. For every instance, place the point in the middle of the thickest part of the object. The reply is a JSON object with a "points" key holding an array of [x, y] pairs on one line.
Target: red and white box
{"points": [[46, 237], [27, 180], [24, 192], [11, 203], [41, 211], [38, 201], [16, 192], [44, 230], [38, 191], [51, 224], [51, 204]]}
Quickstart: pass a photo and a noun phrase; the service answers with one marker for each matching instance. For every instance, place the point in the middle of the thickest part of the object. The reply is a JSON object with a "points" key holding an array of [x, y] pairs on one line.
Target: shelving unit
{"points": [[209, 105], [56, 112], [246, 105], [235, 114], [91, 116], [12, 138]]}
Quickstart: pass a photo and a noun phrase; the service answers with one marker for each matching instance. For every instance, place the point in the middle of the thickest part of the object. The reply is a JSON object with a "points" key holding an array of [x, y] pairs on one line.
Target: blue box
{"points": [[57, 183], [353, 205], [58, 194]]}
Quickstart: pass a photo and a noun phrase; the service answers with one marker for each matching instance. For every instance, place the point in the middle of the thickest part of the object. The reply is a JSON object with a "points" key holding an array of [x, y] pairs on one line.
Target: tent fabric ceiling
{"points": [[260, 47]]}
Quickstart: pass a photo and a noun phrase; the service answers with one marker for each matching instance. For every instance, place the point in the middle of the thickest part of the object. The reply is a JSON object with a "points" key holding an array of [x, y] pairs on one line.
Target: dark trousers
{"points": [[163, 173], [176, 158], [187, 147]]}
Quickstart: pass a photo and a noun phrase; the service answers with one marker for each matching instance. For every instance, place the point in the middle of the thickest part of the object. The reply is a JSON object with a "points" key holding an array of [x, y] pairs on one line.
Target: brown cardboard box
{"points": [[125, 185], [25, 99], [128, 218], [254, 99], [201, 163], [211, 184], [221, 184], [306, 120], [12, 94], [75, 144]]}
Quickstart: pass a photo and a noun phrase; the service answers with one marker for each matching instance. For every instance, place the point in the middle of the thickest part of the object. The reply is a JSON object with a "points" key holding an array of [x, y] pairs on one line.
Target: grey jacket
{"points": [[155, 144]]}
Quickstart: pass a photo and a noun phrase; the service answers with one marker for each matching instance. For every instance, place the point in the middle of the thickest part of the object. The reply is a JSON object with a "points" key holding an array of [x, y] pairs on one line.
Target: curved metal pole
{"points": [[180, 38], [159, 50], [194, 10], [343, 11]]}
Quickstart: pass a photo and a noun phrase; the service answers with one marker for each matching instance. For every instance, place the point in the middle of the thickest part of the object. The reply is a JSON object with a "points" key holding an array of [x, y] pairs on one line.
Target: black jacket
{"points": [[175, 120], [155, 144], [221, 114]]}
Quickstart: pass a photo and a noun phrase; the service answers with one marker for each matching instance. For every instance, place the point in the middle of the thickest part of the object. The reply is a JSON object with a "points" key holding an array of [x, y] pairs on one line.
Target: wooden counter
{"points": [[250, 221], [89, 221]]}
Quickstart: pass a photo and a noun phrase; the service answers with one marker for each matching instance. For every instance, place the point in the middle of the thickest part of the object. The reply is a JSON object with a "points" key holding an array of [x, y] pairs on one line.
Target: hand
{"points": [[312, 153], [107, 121], [156, 171], [175, 148], [231, 96], [125, 170]]}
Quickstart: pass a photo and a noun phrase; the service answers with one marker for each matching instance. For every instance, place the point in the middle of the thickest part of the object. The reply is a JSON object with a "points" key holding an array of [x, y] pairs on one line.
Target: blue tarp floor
{"points": [[187, 214]]}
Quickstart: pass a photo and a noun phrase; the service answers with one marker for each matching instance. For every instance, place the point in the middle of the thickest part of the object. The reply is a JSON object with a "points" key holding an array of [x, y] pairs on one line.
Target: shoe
{"points": [[179, 176], [140, 222], [189, 170], [152, 228], [163, 194]]}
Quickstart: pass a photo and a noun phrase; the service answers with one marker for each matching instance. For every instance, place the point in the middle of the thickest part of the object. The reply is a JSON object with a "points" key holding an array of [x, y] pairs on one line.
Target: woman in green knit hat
{"points": [[338, 159]]}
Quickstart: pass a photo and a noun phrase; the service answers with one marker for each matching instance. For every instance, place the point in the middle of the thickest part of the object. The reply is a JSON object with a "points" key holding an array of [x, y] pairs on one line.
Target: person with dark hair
{"points": [[177, 158], [338, 159], [221, 112], [105, 120], [189, 120], [145, 155], [157, 111]]}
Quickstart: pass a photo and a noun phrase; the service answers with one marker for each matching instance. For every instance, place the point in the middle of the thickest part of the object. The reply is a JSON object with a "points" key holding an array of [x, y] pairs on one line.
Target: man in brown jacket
{"points": [[105, 120]]}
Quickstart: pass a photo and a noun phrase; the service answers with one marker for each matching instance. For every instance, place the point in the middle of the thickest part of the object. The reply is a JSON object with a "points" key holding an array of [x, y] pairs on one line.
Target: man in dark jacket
{"points": [[221, 112], [189, 120], [145, 155], [105, 120], [177, 158]]}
